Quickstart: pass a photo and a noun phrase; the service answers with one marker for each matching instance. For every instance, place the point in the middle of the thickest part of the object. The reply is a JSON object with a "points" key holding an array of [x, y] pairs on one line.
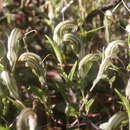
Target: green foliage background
{"points": [[63, 67]]}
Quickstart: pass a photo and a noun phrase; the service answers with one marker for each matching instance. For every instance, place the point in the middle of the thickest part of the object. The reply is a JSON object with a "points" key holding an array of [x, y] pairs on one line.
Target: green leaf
{"points": [[128, 67], [57, 50], [91, 31], [71, 110], [125, 101], [71, 74], [88, 103]]}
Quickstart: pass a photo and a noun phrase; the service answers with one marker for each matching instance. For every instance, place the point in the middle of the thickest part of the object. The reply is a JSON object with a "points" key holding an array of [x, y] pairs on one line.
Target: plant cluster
{"points": [[58, 72]]}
